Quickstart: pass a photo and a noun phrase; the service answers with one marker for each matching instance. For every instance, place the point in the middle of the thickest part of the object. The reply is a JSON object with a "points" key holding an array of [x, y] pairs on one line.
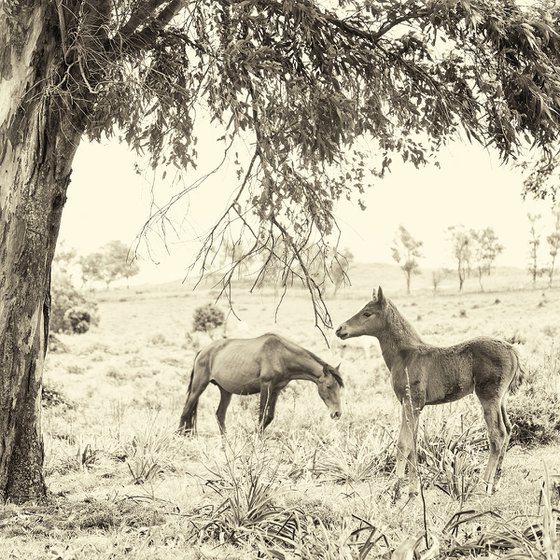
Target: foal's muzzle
{"points": [[341, 332], [336, 414]]}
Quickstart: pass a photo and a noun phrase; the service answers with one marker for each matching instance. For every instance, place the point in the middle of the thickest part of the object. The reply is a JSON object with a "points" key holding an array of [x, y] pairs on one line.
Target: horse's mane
{"points": [[337, 377], [332, 369]]}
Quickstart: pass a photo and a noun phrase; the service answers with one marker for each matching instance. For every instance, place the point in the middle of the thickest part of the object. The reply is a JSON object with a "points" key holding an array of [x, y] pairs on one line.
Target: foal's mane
{"points": [[399, 329]]}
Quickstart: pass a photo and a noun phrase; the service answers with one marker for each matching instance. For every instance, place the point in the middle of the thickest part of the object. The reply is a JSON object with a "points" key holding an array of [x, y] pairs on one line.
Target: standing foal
{"points": [[423, 374]]}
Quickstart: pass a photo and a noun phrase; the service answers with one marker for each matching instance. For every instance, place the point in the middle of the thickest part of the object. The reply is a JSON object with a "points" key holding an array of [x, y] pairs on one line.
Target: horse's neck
{"points": [[399, 334], [307, 368]]}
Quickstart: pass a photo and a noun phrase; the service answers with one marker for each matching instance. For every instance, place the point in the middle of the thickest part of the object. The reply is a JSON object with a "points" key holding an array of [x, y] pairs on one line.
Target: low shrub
{"points": [[71, 310], [207, 318], [536, 419]]}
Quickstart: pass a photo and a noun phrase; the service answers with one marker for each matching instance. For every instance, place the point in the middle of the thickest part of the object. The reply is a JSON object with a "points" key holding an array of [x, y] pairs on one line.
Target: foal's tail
{"points": [[518, 373]]}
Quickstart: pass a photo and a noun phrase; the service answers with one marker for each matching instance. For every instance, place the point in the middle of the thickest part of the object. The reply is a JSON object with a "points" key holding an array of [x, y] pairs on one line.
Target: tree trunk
{"points": [[39, 135]]}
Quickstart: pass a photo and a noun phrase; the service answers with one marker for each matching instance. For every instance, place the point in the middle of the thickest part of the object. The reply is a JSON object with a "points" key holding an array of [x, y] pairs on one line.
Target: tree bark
{"points": [[38, 140]]}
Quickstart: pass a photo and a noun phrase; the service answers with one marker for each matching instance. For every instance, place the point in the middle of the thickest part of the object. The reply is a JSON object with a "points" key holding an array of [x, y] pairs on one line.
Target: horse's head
{"points": [[369, 320], [329, 385]]}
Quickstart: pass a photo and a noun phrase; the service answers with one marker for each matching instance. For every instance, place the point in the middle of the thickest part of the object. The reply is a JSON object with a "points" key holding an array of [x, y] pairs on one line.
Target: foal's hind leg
{"points": [[507, 425], [497, 435]]}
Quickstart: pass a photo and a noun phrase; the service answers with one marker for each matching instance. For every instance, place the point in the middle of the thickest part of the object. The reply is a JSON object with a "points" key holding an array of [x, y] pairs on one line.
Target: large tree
{"points": [[299, 80]]}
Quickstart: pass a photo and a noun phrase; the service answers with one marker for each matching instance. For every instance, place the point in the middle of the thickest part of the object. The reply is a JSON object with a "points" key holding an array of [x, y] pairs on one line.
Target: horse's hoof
{"points": [[412, 494], [489, 489]]}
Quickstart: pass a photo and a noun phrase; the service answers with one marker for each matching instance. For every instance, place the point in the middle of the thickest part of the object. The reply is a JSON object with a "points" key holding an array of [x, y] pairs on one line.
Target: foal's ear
{"points": [[380, 296]]}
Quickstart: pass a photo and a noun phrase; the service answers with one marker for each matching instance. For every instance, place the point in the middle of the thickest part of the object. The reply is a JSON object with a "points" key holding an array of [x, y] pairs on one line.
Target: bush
{"points": [[536, 419], [207, 318], [71, 310]]}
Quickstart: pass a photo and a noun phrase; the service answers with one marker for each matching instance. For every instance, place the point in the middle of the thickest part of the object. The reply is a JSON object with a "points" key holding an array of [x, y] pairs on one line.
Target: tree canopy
{"points": [[327, 94]]}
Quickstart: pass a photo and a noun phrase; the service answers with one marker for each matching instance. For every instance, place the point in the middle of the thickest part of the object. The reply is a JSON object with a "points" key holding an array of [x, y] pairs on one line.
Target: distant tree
{"points": [[91, 266], [64, 257], [272, 263], [484, 251], [117, 263], [109, 264], [462, 251], [534, 242], [438, 276], [406, 251], [553, 241], [340, 264]]}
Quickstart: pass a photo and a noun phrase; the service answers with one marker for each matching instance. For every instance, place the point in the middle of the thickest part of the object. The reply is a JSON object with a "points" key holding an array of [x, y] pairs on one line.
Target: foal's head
{"points": [[369, 320], [329, 385]]}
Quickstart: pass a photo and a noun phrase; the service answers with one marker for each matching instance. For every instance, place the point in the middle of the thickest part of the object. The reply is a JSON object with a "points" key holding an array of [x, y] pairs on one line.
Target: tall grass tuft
{"points": [[248, 488], [359, 457], [451, 460], [539, 540], [148, 453]]}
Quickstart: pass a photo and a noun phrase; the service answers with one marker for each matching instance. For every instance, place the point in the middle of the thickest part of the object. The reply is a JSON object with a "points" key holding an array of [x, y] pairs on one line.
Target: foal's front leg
{"points": [[406, 451]]}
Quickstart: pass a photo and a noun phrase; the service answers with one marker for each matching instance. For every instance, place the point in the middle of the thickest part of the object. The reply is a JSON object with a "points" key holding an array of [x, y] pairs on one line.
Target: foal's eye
{"points": [[368, 313]]}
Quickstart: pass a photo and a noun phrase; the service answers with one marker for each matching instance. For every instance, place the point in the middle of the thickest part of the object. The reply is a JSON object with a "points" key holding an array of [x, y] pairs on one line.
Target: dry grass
{"points": [[125, 485]]}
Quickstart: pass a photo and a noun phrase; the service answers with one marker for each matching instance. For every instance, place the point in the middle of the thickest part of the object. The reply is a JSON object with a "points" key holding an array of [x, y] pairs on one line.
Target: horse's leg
{"points": [[507, 425], [267, 405], [497, 435], [271, 409], [225, 399], [186, 424]]}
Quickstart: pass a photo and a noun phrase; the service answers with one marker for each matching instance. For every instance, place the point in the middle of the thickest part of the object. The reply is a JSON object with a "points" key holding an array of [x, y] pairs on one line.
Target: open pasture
{"points": [[125, 485]]}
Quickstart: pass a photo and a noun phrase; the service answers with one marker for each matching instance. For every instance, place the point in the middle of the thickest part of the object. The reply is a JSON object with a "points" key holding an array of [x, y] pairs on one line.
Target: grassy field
{"points": [[125, 485]]}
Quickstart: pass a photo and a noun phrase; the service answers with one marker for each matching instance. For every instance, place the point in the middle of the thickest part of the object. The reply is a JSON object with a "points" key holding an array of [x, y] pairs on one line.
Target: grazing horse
{"points": [[422, 374], [265, 365]]}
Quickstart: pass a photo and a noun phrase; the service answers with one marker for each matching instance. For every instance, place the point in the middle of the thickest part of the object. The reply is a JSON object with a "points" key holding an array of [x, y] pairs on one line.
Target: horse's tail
{"points": [[518, 373], [188, 418], [192, 375]]}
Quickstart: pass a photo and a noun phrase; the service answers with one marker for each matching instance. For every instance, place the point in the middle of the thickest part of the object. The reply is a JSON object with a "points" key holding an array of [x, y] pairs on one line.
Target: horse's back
{"points": [[235, 364]]}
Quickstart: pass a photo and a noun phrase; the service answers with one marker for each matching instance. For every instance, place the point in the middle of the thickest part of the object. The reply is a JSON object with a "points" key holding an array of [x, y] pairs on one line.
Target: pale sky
{"points": [[108, 200]]}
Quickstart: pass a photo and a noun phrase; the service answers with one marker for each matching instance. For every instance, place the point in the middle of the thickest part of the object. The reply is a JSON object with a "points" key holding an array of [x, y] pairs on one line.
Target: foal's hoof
{"points": [[490, 488], [397, 493], [413, 493]]}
